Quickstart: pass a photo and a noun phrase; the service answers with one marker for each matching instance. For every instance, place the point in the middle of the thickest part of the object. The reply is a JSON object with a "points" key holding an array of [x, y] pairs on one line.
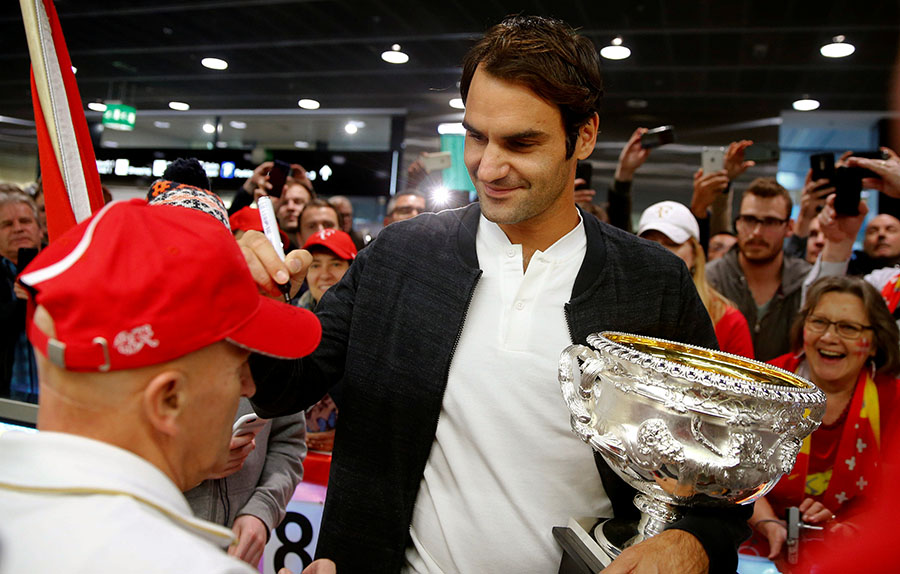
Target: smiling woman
{"points": [[846, 342]]}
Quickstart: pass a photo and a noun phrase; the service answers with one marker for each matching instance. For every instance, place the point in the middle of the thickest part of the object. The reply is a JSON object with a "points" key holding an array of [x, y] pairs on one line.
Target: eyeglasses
{"points": [[407, 210], [846, 329], [751, 221]]}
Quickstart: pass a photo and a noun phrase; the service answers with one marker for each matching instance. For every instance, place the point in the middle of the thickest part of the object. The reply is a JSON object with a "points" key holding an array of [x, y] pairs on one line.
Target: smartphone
{"points": [[248, 424], [848, 185], [712, 159], [658, 136], [584, 171], [822, 165], [762, 153], [278, 176], [870, 155], [435, 161]]}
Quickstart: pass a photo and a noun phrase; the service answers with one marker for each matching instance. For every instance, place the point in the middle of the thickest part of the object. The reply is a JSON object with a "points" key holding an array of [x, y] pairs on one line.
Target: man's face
{"points": [[720, 244], [762, 242], [325, 270], [882, 237], [293, 199], [815, 242], [218, 376], [18, 228], [515, 152], [345, 208], [406, 207], [316, 219]]}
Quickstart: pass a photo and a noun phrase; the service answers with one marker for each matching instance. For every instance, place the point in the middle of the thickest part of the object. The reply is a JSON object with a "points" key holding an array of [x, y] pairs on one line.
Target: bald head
{"points": [[882, 237]]}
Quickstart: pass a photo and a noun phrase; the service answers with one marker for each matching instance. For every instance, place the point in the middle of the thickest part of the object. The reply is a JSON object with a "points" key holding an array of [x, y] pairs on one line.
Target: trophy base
{"points": [[582, 554]]}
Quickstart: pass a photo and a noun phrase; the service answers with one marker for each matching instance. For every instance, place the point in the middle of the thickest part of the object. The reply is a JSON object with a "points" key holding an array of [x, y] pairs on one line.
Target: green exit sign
{"points": [[119, 117]]}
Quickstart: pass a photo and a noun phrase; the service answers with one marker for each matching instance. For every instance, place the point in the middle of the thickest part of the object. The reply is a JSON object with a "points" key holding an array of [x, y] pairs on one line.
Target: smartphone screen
{"points": [[278, 176], [848, 185]]}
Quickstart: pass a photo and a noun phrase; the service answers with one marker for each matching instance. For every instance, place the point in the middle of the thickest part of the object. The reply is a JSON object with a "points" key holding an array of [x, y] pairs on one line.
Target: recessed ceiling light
{"points": [[179, 106], [238, 125], [161, 125], [308, 104], [301, 144], [806, 104], [636, 104], [615, 51], [209, 128], [394, 55], [351, 128], [97, 106], [451, 129], [457, 103], [838, 48], [214, 63]]}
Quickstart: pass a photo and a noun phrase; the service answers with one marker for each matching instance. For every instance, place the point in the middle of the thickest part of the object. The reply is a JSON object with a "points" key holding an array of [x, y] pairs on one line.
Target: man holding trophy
{"points": [[454, 451]]}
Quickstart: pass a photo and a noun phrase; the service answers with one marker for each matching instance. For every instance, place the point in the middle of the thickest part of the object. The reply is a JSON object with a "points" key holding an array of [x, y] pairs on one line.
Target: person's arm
{"points": [[888, 170], [734, 165], [812, 201], [631, 158], [281, 472], [254, 186]]}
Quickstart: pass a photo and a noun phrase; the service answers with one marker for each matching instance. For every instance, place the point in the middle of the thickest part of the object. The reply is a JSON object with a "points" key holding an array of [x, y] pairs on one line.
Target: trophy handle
{"points": [[577, 384]]}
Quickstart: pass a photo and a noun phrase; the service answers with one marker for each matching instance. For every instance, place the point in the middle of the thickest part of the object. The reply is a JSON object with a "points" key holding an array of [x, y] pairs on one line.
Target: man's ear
{"points": [[587, 137], [789, 229], [164, 400]]}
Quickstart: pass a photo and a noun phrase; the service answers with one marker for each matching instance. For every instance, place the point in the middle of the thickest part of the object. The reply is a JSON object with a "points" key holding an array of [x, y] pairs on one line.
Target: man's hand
{"points": [[734, 159], [887, 169], [813, 512], [839, 230], [632, 156], [268, 270], [812, 200], [776, 534], [238, 451], [671, 551], [583, 195], [707, 188], [251, 534], [259, 181]]}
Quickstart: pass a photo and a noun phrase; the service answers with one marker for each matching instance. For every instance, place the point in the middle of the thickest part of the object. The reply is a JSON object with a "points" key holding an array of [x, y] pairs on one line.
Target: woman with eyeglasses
{"points": [[847, 343]]}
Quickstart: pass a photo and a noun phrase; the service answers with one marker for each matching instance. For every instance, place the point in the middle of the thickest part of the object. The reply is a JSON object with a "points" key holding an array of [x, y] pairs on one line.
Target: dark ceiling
{"points": [[696, 64]]}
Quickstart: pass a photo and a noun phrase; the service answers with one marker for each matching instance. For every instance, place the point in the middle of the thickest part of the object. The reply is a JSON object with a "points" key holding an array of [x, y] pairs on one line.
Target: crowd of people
{"points": [[425, 360]]}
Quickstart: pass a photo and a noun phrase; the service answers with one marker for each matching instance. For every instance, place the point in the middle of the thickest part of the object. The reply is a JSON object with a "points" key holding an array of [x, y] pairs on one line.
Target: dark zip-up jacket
{"points": [[771, 333], [389, 330]]}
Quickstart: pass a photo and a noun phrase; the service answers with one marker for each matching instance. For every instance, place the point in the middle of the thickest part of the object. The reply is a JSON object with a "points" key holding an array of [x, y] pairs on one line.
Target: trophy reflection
{"points": [[684, 425]]}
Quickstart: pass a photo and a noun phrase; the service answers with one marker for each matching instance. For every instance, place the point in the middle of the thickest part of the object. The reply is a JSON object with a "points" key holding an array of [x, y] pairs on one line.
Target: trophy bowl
{"points": [[684, 425]]}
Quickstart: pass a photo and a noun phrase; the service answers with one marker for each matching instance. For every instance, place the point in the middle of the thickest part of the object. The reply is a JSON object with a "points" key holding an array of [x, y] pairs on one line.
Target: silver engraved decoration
{"points": [[684, 425]]}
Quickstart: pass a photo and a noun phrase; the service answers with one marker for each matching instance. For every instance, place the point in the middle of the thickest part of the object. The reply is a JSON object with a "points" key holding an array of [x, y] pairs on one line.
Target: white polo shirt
{"points": [[76, 505], [505, 466]]}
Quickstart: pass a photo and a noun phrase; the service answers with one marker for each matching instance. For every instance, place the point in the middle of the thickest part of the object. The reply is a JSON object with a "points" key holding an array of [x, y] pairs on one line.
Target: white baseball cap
{"points": [[671, 218]]}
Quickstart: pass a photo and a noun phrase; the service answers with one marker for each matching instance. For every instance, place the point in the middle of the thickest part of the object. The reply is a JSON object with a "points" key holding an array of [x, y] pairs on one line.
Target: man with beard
{"points": [[765, 283]]}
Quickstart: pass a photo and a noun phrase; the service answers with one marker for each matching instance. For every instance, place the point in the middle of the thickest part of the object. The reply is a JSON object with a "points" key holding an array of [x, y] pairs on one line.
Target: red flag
{"points": [[68, 167]]}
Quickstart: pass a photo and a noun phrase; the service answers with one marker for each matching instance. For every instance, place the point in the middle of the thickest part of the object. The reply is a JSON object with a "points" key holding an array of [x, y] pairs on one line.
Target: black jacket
{"points": [[390, 328]]}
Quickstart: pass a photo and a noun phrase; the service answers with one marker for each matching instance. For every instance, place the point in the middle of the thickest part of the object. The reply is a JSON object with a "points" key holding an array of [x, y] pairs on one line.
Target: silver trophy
{"points": [[684, 425]]}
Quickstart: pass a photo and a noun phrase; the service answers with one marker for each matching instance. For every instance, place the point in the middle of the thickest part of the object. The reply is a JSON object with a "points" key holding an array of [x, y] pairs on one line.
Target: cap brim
{"points": [[673, 232], [279, 330]]}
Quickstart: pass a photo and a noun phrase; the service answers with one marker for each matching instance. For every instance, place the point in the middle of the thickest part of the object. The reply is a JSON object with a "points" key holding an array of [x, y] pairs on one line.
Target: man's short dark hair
{"points": [[766, 187], [546, 56], [392, 203]]}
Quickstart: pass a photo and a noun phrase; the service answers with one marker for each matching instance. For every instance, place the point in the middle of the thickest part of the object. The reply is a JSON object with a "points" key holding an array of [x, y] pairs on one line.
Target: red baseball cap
{"points": [[338, 242], [248, 218], [138, 285]]}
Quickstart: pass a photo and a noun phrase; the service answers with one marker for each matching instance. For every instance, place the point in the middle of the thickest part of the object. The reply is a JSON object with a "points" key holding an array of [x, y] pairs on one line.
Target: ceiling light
{"points": [[179, 106], [97, 106], [214, 63], [615, 51], [161, 125], [394, 55], [209, 128], [838, 48], [457, 103], [221, 144], [806, 104], [636, 104], [308, 104], [301, 144], [451, 129], [237, 125], [351, 128]]}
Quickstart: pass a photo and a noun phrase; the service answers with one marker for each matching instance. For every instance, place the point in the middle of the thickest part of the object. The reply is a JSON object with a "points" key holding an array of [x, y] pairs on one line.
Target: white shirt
{"points": [[76, 505], [505, 466]]}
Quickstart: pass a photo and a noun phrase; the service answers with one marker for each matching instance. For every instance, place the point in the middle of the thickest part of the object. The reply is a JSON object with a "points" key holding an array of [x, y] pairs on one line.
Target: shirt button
{"points": [[520, 305], [510, 252]]}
